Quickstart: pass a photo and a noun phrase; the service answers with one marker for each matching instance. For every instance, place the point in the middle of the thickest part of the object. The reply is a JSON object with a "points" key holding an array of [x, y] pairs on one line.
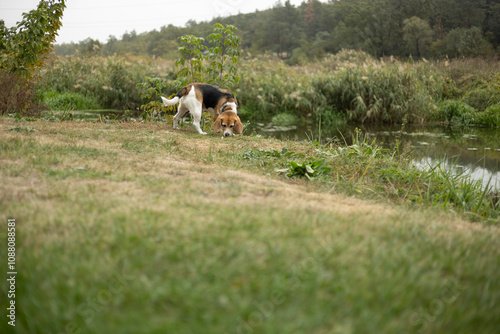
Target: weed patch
{"points": [[309, 169]]}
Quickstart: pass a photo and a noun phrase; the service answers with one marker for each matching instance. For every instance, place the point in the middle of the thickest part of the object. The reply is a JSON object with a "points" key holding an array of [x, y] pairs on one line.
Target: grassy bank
{"points": [[135, 228]]}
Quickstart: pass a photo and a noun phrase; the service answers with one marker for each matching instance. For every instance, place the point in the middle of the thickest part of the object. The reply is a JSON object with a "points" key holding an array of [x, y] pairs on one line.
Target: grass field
{"points": [[136, 228]]}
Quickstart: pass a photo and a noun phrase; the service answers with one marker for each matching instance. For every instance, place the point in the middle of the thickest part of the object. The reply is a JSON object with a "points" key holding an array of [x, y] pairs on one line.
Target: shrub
{"points": [[23, 49], [490, 117], [483, 92], [17, 95], [457, 112]]}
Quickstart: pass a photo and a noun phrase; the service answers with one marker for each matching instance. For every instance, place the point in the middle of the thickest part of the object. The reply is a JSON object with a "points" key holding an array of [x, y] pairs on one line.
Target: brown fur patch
{"points": [[184, 91], [218, 111], [199, 95]]}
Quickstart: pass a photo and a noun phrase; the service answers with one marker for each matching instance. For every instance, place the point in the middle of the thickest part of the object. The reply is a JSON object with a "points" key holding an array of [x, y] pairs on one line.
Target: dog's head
{"points": [[229, 123]]}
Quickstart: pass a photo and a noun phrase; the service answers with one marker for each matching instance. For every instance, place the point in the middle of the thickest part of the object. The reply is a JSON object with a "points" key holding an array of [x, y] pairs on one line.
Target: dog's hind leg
{"points": [[197, 120], [181, 111]]}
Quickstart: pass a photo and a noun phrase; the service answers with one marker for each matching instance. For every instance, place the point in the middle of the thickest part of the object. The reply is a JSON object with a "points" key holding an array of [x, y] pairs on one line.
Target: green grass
{"points": [[68, 101], [169, 231]]}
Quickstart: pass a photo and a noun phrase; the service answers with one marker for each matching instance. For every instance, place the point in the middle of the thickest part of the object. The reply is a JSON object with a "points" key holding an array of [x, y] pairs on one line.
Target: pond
{"points": [[473, 151]]}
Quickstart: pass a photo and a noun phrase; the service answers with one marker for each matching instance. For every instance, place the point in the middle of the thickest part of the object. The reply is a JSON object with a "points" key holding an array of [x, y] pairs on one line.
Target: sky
{"points": [[98, 19]]}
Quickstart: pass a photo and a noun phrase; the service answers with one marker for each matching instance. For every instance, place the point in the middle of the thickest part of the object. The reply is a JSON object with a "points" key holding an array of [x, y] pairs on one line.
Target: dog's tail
{"points": [[170, 102]]}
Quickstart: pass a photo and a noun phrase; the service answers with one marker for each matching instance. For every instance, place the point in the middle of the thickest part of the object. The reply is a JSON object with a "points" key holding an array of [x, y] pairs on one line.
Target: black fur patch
{"points": [[212, 95]]}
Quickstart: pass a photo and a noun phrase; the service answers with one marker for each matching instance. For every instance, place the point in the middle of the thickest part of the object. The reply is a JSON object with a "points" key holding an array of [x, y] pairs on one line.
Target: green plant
{"points": [[191, 60], [68, 101], [457, 112], [23, 47], [153, 88], [223, 53], [309, 169]]}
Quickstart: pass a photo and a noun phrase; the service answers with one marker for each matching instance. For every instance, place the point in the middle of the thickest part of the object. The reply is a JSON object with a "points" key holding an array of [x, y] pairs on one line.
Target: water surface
{"points": [[475, 151]]}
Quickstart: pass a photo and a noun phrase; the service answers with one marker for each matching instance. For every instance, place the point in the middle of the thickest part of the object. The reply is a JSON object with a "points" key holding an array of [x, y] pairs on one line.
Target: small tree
{"points": [[462, 42], [23, 49], [418, 34], [473, 44], [224, 55], [191, 60]]}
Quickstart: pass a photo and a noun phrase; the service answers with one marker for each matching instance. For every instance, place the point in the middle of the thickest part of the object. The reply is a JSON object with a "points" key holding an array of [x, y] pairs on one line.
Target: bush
{"points": [[491, 116], [457, 112], [17, 95], [482, 93]]}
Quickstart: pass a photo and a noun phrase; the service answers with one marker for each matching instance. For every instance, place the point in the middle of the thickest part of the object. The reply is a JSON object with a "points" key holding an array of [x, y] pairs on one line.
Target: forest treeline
{"points": [[417, 28]]}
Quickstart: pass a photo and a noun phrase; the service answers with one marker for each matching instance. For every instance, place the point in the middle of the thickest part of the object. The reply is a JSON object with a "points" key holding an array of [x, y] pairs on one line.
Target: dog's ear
{"points": [[218, 124], [238, 127]]}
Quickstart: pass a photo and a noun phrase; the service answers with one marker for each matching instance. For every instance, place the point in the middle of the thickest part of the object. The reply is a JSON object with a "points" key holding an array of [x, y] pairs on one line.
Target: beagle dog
{"points": [[199, 97], [229, 122]]}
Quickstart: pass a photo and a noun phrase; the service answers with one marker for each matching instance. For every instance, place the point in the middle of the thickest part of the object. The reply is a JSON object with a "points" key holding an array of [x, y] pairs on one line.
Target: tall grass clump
{"points": [[379, 92], [477, 81], [110, 82], [68, 101], [460, 113], [268, 87], [483, 93]]}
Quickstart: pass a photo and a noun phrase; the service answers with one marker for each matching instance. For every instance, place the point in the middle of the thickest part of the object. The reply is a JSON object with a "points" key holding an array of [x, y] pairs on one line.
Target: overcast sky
{"points": [[99, 19]]}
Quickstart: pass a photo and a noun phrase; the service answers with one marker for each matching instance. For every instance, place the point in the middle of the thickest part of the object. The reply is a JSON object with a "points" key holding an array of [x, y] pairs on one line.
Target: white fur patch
{"points": [[233, 106]]}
